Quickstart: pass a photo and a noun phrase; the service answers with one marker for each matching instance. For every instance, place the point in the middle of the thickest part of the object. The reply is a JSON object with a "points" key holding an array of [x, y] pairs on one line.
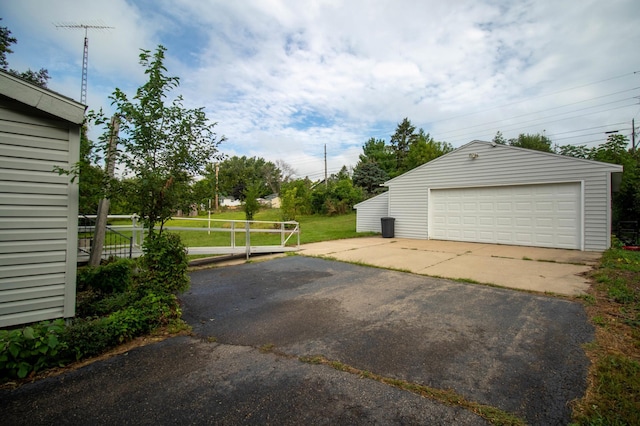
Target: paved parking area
{"points": [[527, 268]]}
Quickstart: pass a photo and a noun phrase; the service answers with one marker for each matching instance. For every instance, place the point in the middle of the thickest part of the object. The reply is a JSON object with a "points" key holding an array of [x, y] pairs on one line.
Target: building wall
{"points": [[501, 165], [370, 211], [38, 215]]}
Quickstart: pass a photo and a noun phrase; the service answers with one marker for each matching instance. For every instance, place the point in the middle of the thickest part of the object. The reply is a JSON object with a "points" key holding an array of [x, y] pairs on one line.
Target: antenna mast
{"points": [[85, 56]]}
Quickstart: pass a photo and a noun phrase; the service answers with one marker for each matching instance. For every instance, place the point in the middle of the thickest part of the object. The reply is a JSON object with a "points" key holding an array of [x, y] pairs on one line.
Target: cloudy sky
{"points": [[284, 78]]}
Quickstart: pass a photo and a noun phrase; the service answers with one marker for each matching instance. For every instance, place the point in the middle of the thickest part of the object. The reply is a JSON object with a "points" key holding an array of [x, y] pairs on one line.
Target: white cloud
{"points": [[284, 78]]}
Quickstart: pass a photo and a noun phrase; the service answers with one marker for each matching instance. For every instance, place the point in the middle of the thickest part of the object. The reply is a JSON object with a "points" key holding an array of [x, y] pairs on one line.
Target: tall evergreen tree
{"points": [[401, 140]]}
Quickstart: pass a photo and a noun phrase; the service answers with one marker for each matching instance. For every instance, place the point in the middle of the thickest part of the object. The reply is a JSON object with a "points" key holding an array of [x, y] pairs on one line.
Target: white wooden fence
{"points": [[240, 232]]}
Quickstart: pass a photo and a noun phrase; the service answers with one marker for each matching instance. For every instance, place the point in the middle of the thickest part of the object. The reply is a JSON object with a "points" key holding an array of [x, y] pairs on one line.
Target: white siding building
{"points": [[499, 194], [39, 130]]}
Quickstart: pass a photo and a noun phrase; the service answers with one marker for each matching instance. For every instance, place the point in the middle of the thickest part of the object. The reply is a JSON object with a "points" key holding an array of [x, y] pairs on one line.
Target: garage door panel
{"points": [[566, 206], [544, 222], [504, 206], [523, 206], [544, 206], [538, 215], [486, 221]]}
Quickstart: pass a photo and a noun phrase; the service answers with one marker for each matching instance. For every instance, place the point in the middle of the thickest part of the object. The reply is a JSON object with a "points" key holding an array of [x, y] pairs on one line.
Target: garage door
{"points": [[530, 215]]}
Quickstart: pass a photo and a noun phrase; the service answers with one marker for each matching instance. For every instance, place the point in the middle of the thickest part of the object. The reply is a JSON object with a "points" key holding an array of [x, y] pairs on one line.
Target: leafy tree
{"points": [[424, 149], [401, 140], [538, 142], [336, 197], [5, 42], [236, 174], [161, 145], [251, 206], [626, 202], [40, 77], [499, 139], [203, 191], [577, 151], [295, 198], [92, 177], [408, 149]]}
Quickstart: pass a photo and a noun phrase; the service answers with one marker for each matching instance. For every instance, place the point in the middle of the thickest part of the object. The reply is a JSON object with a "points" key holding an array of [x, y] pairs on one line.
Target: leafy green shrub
{"points": [[87, 337], [30, 349], [112, 277], [164, 264], [92, 336], [100, 306]]}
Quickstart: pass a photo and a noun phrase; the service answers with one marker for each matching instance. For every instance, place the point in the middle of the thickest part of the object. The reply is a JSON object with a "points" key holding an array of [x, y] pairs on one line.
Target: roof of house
{"points": [[40, 98]]}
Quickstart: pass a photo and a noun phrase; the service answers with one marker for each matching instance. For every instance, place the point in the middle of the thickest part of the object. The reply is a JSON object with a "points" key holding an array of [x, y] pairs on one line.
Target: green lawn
{"points": [[313, 228]]}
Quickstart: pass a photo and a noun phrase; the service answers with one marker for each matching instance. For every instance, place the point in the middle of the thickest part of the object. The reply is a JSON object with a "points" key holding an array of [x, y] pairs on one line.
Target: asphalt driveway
{"points": [[515, 351]]}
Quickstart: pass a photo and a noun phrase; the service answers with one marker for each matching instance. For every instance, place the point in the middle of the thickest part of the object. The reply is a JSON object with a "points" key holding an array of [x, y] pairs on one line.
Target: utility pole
{"points": [[85, 55], [103, 208], [326, 182], [633, 135], [217, 170]]}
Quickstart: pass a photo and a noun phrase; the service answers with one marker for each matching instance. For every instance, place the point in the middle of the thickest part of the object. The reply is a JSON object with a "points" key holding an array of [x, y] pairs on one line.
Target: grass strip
{"points": [[449, 397], [613, 307]]}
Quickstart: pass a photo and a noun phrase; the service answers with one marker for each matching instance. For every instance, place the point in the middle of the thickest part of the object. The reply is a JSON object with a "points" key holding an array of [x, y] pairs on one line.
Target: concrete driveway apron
{"points": [[527, 268]]}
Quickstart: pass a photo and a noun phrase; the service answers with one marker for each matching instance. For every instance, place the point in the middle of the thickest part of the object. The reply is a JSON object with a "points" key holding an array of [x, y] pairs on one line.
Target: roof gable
{"points": [[41, 99], [479, 148]]}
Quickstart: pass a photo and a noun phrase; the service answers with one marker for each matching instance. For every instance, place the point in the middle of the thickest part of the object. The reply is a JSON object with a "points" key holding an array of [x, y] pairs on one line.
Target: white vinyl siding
{"points": [[499, 166], [408, 204], [370, 212], [38, 209]]}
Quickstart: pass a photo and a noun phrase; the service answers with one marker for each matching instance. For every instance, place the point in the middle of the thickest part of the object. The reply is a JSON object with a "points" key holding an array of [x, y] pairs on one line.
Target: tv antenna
{"points": [[85, 56]]}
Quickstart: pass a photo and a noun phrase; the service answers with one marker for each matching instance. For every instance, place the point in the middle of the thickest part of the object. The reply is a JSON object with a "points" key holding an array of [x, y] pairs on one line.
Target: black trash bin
{"points": [[388, 226]]}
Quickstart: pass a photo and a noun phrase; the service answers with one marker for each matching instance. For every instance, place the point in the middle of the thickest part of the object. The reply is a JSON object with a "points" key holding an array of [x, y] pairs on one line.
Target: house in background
{"points": [[498, 194], [271, 201], [229, 202], [39, 130]]}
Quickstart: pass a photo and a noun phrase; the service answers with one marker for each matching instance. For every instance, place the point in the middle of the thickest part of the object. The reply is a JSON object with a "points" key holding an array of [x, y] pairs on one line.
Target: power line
{"points": [[546, 123], [542, 111], [535, 97]]}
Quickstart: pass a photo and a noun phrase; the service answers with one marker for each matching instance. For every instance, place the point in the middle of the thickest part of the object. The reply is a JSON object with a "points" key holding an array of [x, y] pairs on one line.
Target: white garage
{"points": [[532, 215], [500, 194]]}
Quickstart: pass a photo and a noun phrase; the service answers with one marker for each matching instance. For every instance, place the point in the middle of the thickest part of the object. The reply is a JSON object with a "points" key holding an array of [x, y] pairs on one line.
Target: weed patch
{"points": [[449, 397]]}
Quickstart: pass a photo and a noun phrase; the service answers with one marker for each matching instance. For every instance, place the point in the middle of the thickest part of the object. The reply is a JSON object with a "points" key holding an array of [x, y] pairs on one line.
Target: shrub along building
{"points": [[39, 130], [499, 194]]}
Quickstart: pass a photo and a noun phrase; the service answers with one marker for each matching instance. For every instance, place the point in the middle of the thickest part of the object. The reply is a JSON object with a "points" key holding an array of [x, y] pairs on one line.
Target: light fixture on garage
{"points": [[474, 155]]}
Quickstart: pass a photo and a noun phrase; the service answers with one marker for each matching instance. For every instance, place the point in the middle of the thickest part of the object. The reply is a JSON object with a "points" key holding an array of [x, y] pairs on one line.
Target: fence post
{"points": [[247, 230], [233, 234], [282, 234]]}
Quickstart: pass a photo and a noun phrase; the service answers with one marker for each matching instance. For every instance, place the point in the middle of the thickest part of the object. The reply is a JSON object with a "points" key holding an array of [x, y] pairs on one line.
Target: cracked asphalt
{"points": [[515, 351]]}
